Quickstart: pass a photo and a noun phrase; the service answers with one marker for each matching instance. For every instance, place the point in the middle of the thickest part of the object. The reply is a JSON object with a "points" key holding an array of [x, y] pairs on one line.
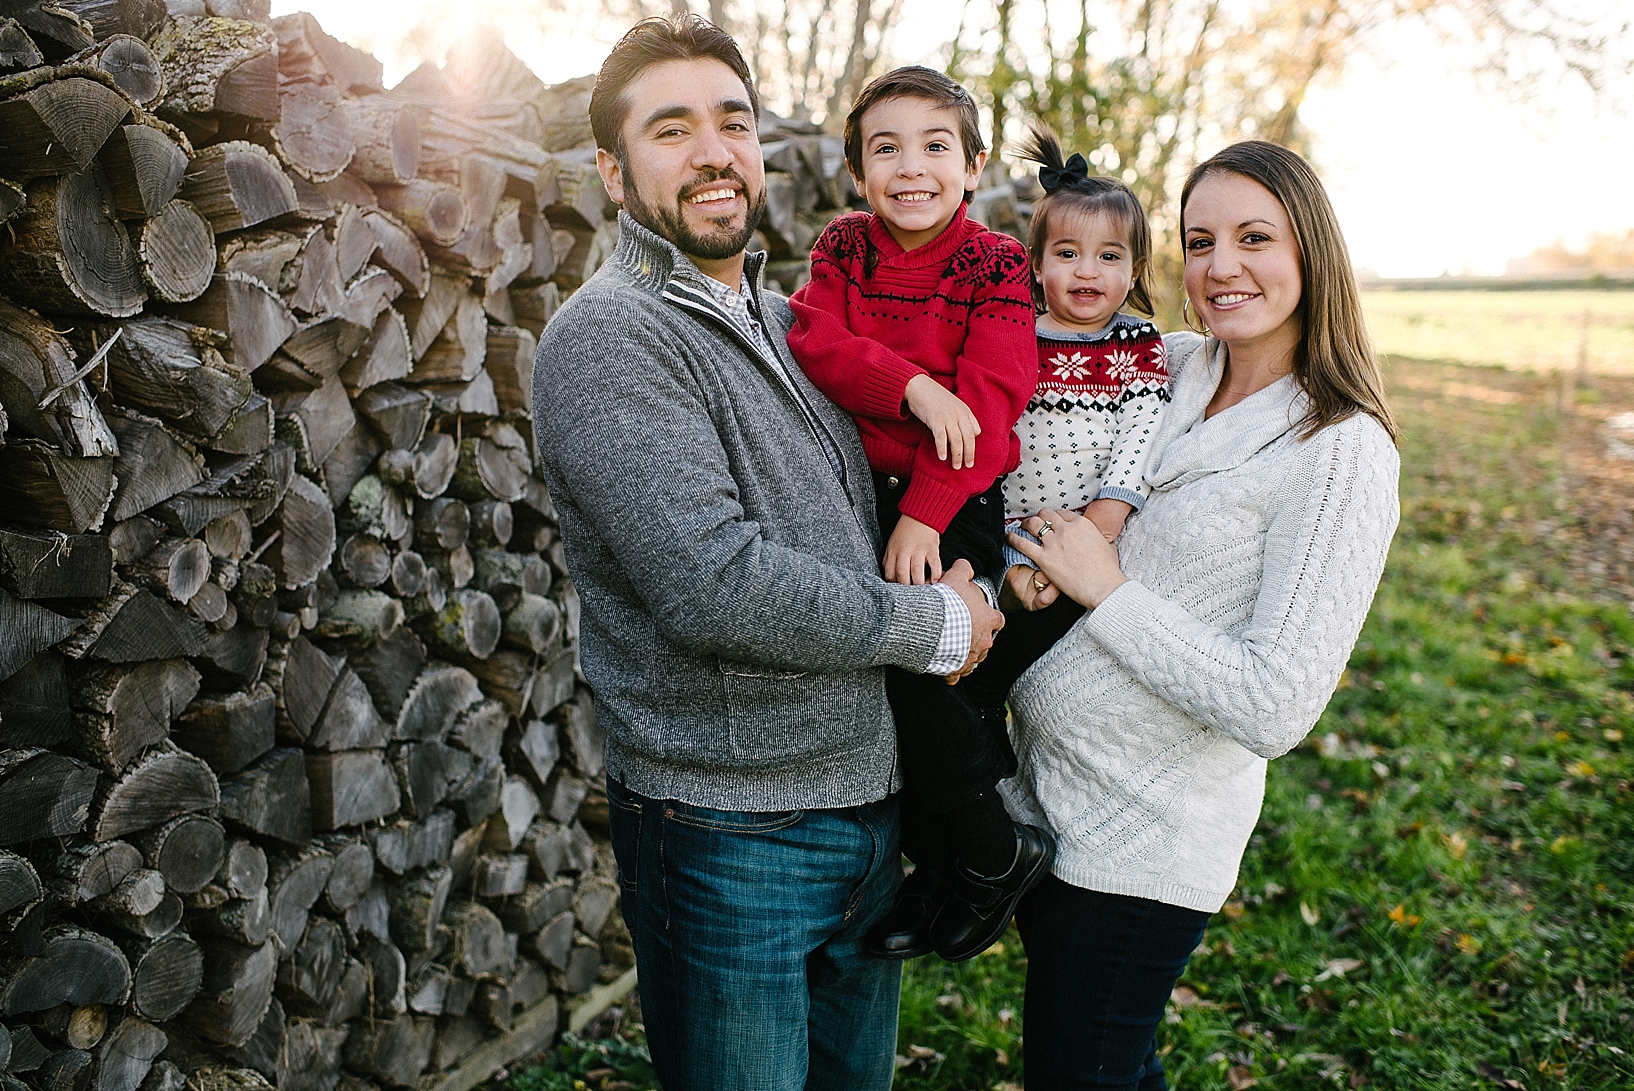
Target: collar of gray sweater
{"points": [[653, 261]]}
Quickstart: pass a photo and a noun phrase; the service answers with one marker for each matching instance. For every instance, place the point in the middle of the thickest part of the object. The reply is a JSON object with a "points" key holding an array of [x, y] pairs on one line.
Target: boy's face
{"points": [[914, 173]]}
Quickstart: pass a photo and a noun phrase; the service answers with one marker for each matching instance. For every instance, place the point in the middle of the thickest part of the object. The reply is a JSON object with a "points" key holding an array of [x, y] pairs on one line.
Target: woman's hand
{"points": [[1026, 588], [1073, 555], [913, 548], [949, 419]]}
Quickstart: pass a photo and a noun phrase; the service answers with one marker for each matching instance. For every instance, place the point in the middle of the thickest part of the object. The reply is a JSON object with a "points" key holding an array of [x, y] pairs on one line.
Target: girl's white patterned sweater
{"points": [[1144, 733], [1091, 422]]}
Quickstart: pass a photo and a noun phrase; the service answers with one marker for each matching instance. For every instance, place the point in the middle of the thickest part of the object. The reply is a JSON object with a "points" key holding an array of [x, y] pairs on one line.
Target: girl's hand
{"points": [[1109, 515], [913, 548], [950, 420], [1073, 554], [1026, 587]]}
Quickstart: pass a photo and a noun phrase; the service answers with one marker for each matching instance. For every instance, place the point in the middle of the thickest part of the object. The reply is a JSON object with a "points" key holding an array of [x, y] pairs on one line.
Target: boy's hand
{"points": [[1022, 587], [950, 420], [913, 548], [1108, 516]]}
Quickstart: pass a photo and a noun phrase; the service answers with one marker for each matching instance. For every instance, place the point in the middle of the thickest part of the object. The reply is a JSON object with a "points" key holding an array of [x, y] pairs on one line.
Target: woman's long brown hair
{"points": [[1334, 362]]}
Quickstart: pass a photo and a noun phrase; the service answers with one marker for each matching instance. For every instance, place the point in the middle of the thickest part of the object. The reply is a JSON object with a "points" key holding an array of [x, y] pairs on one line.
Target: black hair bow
{"points": [[1074, 170]]}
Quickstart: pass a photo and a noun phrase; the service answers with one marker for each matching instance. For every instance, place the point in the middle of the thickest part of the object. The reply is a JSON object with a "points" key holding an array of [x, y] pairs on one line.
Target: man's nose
{"points": [[709, 150]]}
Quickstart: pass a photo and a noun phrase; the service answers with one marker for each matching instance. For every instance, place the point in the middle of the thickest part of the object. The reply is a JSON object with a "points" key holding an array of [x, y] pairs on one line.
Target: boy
{"points": [[907, 305]]}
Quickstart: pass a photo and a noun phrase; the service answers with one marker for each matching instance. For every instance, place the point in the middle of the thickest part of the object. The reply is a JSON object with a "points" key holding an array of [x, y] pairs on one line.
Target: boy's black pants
{"points": [[950, 751]]}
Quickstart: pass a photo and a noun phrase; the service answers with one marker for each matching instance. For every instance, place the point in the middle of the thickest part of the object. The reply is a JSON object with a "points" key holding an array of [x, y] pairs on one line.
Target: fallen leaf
{"points": [[1468, 944], [1240, 1078], [1457, 844], [1401, 918], [1310, 914], [1339, 967]]}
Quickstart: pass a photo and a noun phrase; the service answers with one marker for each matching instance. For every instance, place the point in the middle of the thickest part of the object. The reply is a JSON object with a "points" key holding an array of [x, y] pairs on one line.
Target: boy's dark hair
{"points": [[1071, 188], [654, 41], [914, 81]]}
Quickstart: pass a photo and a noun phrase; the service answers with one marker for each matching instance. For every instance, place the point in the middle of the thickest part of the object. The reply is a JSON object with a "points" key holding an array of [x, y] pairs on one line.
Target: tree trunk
{"points": [[226, 66], [67, 253]]}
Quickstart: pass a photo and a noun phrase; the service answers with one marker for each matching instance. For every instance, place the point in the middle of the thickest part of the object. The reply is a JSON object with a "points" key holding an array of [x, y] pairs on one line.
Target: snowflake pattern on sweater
{"points": [[1089, 427]]}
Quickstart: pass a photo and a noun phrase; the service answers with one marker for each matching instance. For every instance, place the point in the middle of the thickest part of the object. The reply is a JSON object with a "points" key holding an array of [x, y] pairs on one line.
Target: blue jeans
{"points": [[1100, 968], [747, 930]]}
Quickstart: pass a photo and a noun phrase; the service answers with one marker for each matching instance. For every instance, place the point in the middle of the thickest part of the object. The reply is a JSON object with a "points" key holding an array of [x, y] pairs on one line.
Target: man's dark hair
{"points": [[914, 81], [654, 41]]}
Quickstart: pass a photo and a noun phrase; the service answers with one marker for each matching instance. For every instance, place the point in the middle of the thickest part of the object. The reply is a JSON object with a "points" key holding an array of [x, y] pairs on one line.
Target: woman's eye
{"points": [[1199, 244], [1255, 238]]}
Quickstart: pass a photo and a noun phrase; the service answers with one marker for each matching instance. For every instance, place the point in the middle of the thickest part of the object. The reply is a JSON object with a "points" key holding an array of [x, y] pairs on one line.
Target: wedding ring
{"points": [[1045, 529], [1039, 585]]}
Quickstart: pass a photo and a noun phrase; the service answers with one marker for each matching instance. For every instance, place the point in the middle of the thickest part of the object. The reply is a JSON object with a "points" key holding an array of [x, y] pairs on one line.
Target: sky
{"points": [[1431, 171]]}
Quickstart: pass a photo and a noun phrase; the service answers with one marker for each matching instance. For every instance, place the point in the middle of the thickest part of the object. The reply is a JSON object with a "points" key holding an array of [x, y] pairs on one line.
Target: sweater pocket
{"points": [[778, 719]]}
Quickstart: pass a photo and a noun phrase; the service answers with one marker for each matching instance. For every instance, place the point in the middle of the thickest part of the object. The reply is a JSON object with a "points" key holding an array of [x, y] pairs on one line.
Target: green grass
{"points": [[1541, 331], [1440, 888]]}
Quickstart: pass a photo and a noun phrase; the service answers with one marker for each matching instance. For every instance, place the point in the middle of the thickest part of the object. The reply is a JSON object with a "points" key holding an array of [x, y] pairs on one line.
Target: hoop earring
{"points": [[1185, 316]]}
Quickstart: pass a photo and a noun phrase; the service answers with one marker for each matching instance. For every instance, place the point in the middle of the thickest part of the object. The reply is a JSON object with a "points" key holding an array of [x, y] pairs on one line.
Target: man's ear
{"points": [[973, 172], [612, 175]]}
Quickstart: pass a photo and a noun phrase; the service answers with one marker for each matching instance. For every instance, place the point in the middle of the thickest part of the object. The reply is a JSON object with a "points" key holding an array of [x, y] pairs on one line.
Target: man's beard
{"points": [[671, 223]]}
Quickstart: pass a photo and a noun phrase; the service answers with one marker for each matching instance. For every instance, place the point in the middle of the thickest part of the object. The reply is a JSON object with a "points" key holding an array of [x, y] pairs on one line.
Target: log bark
{"points": [[165, 783], [351, 787], [417, 905], [271, 798], [34, 361], [187, 851], [42, 795], [41, 566], [295, 881], [468, 624], [132, 625], [73, 966], [426, 470], [306, 52], [144, 168], [165, 974], [499, 875], [177, 251], [236, 990], [435, 211], [306, 523], [237, 185], [176, 567], [57, 127], [313, 136], [494, 466], [173, 371], [387, 134], [254, 318], [399, 252], [227, 66], [124, 710], [68, 253]]}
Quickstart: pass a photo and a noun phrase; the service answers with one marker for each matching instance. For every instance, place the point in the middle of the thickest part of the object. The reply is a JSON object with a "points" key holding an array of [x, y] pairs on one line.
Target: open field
{"points": [[1440, 894], [1541, 331]]}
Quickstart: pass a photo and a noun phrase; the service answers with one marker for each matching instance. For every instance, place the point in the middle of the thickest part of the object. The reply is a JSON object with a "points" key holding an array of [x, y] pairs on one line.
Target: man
{"points": [[719, 521]]}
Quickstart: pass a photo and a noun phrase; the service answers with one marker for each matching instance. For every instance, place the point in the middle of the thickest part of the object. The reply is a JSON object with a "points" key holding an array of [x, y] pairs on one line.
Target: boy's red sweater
{"points": [[958, 309]]}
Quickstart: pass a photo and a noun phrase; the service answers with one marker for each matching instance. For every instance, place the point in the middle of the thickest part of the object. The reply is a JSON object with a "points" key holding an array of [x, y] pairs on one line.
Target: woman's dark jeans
{"points": [[1100, 968]]}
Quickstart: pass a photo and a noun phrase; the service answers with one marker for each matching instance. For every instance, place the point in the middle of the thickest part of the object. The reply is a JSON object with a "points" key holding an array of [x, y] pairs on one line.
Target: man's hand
{"points": [[1026, 587], [949, 419], [913, 549], [1108, 516], [984, 620]]}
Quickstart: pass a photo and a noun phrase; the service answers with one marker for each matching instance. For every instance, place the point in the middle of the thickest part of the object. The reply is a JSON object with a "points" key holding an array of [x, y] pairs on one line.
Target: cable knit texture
{"points": [[1143, 734]]}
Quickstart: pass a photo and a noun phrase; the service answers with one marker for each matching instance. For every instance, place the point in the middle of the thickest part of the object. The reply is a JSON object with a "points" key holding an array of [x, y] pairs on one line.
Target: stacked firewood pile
{"points": [[298, 781]]}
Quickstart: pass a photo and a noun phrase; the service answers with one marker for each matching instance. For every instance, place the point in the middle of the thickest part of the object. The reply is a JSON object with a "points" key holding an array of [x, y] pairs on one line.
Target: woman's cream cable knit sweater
{"points": [[1143, 734]]}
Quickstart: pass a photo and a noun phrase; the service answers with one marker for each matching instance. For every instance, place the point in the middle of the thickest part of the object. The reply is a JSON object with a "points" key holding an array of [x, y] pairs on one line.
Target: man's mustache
{"points": [[700, 184]]}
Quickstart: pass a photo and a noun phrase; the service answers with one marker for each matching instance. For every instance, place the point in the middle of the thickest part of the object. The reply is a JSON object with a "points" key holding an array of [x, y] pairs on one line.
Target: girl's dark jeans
{"points": [[1100, 968]]}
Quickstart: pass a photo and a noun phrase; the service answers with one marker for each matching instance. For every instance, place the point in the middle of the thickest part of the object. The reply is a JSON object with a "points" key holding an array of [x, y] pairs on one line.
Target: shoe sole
{"points": [[1002, 922]]}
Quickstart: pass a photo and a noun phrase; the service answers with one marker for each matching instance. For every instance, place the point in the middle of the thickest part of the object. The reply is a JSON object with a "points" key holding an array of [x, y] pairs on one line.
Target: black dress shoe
{"points": [[904, 932], [978, 908]]}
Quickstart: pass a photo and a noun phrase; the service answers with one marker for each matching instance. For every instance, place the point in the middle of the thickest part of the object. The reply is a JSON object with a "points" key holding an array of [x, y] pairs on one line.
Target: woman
{"points": [[1219, 626]]}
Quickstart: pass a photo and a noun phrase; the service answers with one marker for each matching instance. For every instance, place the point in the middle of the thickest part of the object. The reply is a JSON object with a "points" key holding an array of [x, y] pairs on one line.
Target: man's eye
{"points": [[665, 134]]}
